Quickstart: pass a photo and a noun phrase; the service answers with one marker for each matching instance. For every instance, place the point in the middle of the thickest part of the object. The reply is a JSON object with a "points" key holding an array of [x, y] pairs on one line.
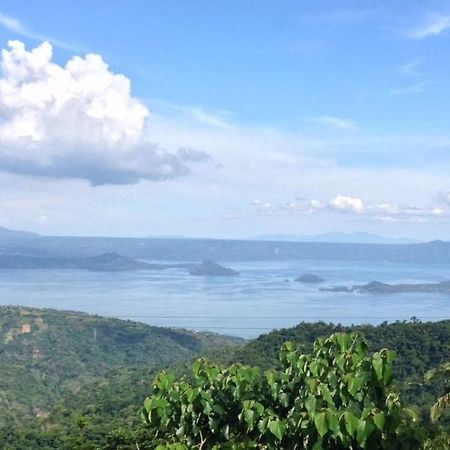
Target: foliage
{"points": [[441, 441], [62, 371], [76, 365], [338, 397], [440, 373], [420, 346]]}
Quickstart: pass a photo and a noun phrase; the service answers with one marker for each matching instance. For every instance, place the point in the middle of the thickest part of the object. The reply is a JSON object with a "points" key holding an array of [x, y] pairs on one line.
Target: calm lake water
{"points": [[255, 302]]}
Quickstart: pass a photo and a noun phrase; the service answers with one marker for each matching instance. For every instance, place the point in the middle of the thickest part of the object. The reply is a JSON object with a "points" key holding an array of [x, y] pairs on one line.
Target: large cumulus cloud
{"points": [[78, 120]]}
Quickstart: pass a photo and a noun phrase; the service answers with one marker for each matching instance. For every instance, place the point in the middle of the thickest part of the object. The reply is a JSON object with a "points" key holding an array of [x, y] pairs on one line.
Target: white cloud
{"points": [[297, 206], [434, 25], [398, 213], [410, 68], [412, 89], [215, 118], [339, 123], [416, 84], [347, 204], [78, 120], [265, 208], [444, 197], [385, 212], [11, 23], [16, 26]]}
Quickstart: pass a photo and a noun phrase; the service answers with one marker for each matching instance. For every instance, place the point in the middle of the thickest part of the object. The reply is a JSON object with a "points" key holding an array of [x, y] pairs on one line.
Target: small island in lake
{"points": [[211, 268], [309, 278], [337, 289], [377, 287]]}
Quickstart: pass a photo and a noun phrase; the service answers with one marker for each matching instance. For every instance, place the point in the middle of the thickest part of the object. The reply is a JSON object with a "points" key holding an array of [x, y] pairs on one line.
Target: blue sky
{"points": [[242, 118]]}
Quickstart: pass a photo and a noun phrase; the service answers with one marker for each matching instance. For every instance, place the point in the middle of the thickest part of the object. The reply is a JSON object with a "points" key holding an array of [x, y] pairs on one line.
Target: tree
{"points": [[336, 398], [440, 373]]}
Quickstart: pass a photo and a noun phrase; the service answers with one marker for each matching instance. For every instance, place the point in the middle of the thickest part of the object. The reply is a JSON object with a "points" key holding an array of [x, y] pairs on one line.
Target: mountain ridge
{"points": [[222, 250], [344, 238]]}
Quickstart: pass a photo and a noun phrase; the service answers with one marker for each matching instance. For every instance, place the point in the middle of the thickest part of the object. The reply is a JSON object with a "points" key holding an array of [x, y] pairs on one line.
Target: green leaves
{"points": [[379, 420], [336, 397], [326, 394], [251, 412], [382, 363], [344, 341], [249, 418], [355, 384], [377, 363], [164, 380], [320, 421], [277, 428], [333, 422], [310, 404], [351, 423]]}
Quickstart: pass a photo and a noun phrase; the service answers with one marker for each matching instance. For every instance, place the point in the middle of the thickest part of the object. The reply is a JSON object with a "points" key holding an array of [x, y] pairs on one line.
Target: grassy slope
{"points": [[71, 356]]}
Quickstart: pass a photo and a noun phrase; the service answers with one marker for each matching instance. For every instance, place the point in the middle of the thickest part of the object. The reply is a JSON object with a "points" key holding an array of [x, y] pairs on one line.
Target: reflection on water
{"points": [[258, 300]]}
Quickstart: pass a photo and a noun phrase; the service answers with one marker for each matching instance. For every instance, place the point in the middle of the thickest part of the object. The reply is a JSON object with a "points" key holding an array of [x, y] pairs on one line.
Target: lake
{"points": [[259, 300]]}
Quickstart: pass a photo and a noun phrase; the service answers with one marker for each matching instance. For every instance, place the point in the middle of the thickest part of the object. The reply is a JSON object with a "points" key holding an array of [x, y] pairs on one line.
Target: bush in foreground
{"points": [[338, 397]]}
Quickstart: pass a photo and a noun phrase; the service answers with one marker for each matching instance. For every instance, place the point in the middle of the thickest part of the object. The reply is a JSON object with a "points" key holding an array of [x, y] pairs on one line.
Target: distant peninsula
{"points": [[113, 262], [377, 287], [107, 262]]}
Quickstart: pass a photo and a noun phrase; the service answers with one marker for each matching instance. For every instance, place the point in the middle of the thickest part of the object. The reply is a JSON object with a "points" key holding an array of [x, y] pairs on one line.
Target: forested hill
{"points": [[51, 359], [60, 369], [419, 345]]}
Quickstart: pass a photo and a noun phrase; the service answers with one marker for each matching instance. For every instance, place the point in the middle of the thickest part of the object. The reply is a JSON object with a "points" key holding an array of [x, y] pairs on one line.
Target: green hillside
{"points": [[76, 381], [418, 348], [56, 365], [419, 345]]}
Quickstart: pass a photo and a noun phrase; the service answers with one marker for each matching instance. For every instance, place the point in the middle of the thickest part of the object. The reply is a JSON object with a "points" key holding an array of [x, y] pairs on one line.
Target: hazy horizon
{"points": [[331, 237]]}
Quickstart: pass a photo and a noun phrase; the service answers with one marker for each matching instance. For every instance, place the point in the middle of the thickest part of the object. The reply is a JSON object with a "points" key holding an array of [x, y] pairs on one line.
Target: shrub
{"points": [[338, 397]]}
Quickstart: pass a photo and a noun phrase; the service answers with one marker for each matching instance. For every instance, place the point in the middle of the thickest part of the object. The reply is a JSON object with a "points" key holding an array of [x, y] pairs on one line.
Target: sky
{"points": [[225, 119]]}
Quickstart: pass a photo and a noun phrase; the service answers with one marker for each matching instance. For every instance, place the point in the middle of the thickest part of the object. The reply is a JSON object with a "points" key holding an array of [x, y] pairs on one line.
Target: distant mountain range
{"points": [[6, 233], [347, 238], [62, 250]]}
